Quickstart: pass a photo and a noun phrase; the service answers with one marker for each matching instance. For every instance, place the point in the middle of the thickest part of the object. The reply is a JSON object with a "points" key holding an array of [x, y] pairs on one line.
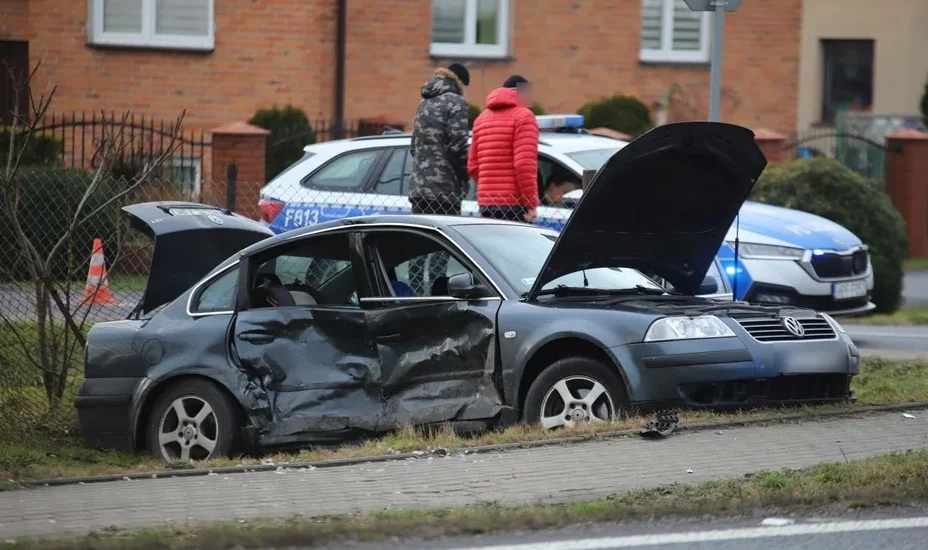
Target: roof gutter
{"points": [[341, 38]]}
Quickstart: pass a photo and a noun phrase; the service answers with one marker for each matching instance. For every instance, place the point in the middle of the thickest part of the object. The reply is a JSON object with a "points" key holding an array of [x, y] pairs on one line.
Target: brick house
{"points": [[222, 60]]}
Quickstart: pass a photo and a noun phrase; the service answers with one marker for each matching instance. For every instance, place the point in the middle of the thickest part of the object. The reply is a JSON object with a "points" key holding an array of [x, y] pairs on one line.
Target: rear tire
{"points": [[194, 420], [575, 391]]}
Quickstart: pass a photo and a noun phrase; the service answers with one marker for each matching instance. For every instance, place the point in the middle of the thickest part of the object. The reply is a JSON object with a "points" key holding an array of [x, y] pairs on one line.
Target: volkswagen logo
{"points": [[794, 327], [215, 219]]}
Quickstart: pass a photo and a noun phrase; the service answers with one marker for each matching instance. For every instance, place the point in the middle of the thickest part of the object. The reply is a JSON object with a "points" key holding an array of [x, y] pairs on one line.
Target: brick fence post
{"points": [[772, 144], [244, 145], [907, 184]]}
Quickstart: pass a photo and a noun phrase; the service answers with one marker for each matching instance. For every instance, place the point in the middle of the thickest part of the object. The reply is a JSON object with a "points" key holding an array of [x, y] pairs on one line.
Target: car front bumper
{"points": [[795, 283], [727, 372], [106, 412]]}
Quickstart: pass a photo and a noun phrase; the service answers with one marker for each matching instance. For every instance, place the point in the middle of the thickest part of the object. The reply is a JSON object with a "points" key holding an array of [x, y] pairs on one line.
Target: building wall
{"points": [[282, 51], [13, 17], [900, 30], [578, 51], [266, 52]]}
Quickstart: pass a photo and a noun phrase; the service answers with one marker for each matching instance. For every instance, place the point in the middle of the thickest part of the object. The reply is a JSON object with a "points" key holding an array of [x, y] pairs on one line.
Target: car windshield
{"points": [[594, 158], [519, 252]]}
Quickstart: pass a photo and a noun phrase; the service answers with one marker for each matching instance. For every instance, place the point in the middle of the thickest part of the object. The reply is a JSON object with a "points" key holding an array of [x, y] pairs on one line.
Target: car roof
{"points": [[561, 142]]}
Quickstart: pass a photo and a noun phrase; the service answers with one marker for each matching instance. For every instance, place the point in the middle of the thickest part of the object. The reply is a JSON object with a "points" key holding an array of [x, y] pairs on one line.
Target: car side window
{"points": [[394, 179], [416, 265], [312, 271], [345, 173], [217, 295]]}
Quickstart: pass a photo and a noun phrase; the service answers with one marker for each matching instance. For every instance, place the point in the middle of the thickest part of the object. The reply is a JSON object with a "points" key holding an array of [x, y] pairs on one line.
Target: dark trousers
{"points": [[435, 206], [512, 213], [437, 261]]}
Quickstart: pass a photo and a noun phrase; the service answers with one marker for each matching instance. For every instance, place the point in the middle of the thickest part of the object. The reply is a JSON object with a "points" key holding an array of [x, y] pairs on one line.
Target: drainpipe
{"points": [[341, 18]]}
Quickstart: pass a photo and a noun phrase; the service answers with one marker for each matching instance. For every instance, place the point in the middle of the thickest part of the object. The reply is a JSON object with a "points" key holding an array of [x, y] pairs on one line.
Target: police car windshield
{"points": [[594, 158], [519, 252]]}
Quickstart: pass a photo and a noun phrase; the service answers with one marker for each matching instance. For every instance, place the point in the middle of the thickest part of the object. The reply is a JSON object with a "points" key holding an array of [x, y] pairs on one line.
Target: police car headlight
{"points": [[687, 328], [768, 251], [834, 324]]}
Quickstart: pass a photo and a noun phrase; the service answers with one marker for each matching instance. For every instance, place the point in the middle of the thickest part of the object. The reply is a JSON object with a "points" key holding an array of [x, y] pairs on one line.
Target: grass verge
{"points": [[896, 479], [881, 382], [909, 316], [916, 264]]}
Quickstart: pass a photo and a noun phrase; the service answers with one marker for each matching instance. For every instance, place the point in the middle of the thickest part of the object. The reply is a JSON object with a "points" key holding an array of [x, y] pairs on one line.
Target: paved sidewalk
{"points": [[548, 474]]}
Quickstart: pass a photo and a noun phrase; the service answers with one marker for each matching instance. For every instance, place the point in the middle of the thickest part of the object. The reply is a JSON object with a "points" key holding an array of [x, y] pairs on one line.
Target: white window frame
{"points": [[148, 38], [469, 48], [666, 53]]}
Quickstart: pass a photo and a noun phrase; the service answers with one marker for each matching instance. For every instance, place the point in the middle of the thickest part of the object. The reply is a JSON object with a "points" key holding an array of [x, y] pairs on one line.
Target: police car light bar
{"points": [[553, 122]]}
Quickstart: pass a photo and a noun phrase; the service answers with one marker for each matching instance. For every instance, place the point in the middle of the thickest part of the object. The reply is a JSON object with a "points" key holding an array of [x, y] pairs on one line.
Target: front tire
{"points": [[193, 421], [575, 391]]}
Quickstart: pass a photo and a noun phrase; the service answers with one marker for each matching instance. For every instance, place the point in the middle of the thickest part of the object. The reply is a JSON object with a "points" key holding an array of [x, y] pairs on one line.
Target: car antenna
{"points": [[734, 282]]}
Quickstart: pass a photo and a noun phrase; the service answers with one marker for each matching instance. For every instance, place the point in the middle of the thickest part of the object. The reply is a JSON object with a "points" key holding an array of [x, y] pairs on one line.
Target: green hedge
{"points": [[290, 133], [827, 188], [49, 197], [42, 150], [622, 113]]}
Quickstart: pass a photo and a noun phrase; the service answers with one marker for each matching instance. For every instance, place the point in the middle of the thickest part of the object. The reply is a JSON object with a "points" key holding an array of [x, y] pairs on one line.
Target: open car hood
{"points": [[190, 240], [662, 204]]}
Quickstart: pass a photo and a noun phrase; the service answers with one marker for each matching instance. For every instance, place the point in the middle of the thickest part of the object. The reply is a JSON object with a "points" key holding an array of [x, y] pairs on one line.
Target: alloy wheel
{"points": [[576, 400]]}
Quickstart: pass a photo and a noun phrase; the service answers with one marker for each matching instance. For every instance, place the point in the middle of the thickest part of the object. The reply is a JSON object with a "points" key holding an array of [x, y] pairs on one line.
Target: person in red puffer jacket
{"points": [[503, 156]]}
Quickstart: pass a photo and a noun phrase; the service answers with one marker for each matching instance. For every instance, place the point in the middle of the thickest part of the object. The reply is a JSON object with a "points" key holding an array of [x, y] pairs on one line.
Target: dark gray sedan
{"points": [[369, 324]]}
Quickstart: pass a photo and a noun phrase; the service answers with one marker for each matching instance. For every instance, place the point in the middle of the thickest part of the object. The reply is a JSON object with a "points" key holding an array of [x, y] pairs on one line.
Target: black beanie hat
{"points": [[514, 81], [461, 72]]}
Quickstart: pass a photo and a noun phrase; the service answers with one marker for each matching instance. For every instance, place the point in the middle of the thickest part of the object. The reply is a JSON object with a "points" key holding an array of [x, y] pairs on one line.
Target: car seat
{"points": [[269, 291], [440, 287], [402, 290]]}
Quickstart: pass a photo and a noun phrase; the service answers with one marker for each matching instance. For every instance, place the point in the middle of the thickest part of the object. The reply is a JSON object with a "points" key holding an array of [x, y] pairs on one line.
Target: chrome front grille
{"points": [[774, 329]]}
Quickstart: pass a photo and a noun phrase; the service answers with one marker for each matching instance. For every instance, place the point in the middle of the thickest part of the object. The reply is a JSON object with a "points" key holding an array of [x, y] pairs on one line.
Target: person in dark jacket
{"points": [[438, 182], [503, 157]]}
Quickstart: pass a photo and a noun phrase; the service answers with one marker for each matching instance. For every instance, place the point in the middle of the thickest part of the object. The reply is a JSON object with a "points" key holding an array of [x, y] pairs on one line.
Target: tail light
{"points": [[269, 209]]}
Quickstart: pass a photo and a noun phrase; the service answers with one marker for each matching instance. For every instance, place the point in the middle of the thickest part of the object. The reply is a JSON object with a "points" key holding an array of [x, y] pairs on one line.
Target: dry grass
{"points": [[909, 316], [880, 382], [885, 480]]}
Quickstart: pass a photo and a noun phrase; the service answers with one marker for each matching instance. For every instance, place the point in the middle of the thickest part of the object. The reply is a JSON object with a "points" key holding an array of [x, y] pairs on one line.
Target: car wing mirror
{"points": [[710, 285], [463, 286]]}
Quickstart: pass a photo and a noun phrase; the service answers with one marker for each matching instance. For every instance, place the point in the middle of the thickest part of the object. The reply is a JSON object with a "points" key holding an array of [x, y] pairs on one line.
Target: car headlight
{"points": [[834, 324], [768, 251], [687, 328]]}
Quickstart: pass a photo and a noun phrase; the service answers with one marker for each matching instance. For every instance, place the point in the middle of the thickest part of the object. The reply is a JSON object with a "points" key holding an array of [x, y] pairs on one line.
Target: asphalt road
{"points": [[890, 342], [915, 288], [898, 532]]}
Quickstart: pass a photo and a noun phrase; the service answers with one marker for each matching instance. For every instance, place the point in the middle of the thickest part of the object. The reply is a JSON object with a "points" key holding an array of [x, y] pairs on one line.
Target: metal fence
{"points": [[100, 271]]}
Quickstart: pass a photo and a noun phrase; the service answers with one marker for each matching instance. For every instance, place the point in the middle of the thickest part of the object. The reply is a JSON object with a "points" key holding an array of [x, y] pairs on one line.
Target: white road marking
{"points": [[693, 537]]}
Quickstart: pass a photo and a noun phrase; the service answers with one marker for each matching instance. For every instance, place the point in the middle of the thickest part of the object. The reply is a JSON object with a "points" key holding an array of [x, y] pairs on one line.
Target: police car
{"points": [[784, 256]]}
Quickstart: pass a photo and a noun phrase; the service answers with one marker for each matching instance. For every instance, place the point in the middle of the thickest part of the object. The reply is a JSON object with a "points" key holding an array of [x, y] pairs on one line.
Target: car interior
{"points": [[414, 265], [315, 273]]}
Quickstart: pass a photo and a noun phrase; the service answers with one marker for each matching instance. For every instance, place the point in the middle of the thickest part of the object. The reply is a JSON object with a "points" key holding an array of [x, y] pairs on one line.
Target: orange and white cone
{"points": [[97, 291]]}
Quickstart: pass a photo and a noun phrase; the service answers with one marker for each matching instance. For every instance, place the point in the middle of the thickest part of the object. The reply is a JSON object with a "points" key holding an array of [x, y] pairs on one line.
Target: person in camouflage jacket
{"points": [[439, 177]]}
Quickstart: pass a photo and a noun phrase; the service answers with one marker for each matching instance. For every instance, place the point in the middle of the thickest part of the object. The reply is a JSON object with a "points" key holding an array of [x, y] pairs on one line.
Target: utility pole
{"points": [[718, 9]]}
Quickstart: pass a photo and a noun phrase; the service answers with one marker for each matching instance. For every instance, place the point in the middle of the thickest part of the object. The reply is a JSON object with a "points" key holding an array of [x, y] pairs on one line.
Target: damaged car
{"points": [[364, 325]]}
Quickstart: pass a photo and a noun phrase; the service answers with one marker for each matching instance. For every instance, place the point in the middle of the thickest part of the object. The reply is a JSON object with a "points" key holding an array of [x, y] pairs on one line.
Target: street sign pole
{"points": [[718, 9], [715, 72]]}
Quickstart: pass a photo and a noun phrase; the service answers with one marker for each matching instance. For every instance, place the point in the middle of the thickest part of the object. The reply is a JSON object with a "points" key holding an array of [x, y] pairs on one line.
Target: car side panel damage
{"points": [[328, 372]]}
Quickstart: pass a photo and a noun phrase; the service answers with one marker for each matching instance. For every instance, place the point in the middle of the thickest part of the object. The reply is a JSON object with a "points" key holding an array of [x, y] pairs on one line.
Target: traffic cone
{"points": [[97, 291]]}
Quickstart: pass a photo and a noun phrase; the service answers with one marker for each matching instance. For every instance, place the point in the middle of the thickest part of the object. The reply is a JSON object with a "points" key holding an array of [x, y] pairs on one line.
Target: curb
{"points": [[196, 472]]}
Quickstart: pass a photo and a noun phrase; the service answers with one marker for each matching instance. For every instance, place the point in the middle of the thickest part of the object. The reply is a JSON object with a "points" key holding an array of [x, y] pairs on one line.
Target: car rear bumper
{"points": [[721, 373], [105, 412]]}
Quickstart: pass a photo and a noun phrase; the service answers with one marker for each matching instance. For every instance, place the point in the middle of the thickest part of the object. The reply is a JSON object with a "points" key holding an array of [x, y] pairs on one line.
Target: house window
{"points": [[172, 24], [470, 28], [672, 33], [848, 79]]}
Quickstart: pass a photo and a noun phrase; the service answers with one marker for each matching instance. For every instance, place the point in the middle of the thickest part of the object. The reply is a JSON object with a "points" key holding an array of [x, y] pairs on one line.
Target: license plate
{"points": [[849, 291]]}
